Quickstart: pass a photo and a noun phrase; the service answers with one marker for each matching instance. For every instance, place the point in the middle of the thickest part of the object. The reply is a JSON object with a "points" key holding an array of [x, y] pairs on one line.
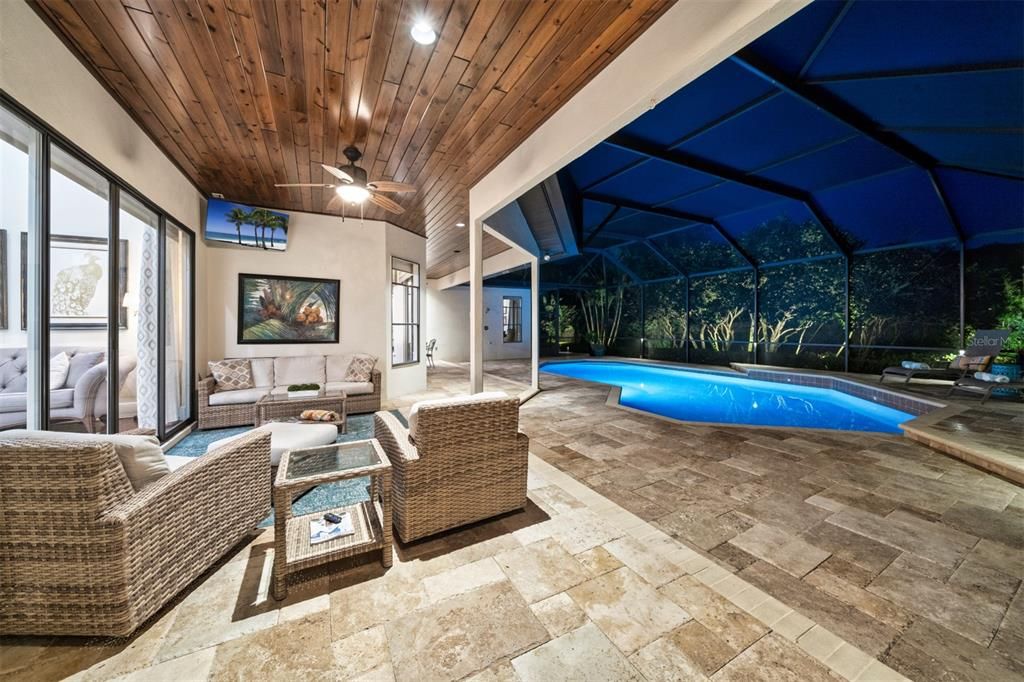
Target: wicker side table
{"points": [[279, 407], [305, 468]]}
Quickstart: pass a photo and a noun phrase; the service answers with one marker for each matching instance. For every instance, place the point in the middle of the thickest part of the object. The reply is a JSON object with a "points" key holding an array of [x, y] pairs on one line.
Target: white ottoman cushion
{"points": [[285, 436]]}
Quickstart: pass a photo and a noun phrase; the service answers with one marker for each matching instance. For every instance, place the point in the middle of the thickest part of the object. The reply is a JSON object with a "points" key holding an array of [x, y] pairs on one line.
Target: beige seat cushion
{"points": [[141, 456], [244, 396], [285, 436], [337, 366], [457, 400], [262, 371], [299, 369], [351, 387]]}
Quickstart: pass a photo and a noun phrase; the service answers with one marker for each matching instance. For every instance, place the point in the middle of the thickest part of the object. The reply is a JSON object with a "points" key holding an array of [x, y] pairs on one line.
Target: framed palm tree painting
{"points": [[280, 309]]}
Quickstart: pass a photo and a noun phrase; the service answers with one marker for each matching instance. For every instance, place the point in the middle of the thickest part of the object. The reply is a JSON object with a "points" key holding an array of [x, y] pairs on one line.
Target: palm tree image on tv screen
{"points": [[242, 225]]}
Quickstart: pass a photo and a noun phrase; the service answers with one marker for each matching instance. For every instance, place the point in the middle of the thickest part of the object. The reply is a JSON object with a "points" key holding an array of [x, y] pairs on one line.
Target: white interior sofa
{"points": [[220, 409], [82, 398]]}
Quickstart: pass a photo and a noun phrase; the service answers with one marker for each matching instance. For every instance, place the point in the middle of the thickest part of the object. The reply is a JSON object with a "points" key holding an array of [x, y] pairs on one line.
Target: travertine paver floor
{"points": [[805, 557], [908, 554]]}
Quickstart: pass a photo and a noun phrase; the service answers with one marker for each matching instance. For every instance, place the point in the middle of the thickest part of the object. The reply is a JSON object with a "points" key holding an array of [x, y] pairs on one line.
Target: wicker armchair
{"points": [[82, 553], [468, 463], [244, 414]]}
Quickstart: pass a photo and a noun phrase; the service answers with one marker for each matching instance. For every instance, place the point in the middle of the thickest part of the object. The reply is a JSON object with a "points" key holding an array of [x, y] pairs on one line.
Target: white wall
{"points": [[356, 252], [447, 315], [38, 71]]}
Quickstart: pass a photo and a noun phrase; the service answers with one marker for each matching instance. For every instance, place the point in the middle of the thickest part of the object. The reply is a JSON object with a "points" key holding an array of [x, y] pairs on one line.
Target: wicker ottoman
{"points": [[285, 436]]}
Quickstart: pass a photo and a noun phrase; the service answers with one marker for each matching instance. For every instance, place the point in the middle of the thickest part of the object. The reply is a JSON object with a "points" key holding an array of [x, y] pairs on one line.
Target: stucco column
{"points": [[476, 305]]}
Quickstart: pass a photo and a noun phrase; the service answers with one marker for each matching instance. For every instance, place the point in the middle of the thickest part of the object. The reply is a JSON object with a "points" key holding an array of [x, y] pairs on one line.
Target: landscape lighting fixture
{"points": [[423, 34]]}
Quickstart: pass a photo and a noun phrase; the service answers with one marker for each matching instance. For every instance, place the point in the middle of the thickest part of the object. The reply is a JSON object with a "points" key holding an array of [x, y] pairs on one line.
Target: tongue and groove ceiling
{"points": [[242, 94]]}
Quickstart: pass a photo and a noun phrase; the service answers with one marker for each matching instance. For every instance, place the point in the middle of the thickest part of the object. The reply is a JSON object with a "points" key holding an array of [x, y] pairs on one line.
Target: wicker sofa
{"points": [[460, 460], [220, 409], [84, 552]]}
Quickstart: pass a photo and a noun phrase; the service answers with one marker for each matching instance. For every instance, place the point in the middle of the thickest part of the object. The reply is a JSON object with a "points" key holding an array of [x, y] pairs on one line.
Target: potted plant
{"points": [[303, 390]]}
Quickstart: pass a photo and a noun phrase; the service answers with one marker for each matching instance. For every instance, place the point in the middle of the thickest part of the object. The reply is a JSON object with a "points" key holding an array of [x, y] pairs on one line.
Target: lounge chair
{"points": [[969, 384], [959, 368]]}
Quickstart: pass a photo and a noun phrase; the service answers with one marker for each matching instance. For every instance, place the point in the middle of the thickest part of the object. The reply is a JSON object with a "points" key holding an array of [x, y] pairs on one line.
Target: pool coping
{"points": [[917, 429]]}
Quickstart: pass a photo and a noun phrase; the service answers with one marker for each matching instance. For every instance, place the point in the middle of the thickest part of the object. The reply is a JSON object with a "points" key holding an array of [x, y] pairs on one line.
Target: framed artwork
{"points": [[3, 279], [273, 309], [79, 279]]}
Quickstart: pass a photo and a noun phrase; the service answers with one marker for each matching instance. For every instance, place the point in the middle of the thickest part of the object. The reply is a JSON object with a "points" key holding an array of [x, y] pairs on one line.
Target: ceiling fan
{"points": [[354, 188]]}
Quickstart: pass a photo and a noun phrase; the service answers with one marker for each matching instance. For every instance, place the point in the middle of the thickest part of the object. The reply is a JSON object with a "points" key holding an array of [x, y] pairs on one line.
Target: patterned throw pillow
{"points": [[231, 375], [361, 368], [971, 362]]}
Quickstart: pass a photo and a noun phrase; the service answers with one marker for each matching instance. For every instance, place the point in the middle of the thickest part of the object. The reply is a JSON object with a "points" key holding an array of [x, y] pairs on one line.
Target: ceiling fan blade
{"points": [[305, 184], [337, 172], [386, 203], [389, 186]]}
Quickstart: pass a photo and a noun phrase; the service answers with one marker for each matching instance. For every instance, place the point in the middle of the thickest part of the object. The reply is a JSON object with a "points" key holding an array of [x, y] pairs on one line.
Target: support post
{"points": [[535, 324], [476, 306], [963, 299]]}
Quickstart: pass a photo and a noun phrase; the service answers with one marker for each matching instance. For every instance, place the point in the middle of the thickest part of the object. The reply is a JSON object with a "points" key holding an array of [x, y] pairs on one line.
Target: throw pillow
{"points": [[80, 364], [361, 368], [971, 361], [59, 366], [231, 375]]}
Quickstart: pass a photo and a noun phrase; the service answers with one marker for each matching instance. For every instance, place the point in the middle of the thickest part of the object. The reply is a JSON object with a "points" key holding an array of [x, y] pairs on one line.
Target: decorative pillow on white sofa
{"points": [[141, 456], [231, 375], [457, 400], [59, 366], [361, 367]]}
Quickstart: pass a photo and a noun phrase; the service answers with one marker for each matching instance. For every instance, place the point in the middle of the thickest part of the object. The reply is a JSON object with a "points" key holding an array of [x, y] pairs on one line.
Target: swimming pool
{"points": [[724, 398]]}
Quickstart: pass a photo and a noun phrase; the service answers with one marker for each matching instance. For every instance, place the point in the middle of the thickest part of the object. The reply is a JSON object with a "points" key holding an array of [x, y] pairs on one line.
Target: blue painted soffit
{"points": [[853, 125]]}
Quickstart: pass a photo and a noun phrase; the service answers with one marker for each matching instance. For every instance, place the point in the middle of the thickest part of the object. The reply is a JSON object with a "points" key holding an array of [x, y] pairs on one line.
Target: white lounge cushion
{"points": [[242, 396], [12, 402], [285, 436], [141, 456], [59, 366], [337, 367], [299, 369], [457, 400], [262, 371], [62, 397], [351, 387], [175, 462]]}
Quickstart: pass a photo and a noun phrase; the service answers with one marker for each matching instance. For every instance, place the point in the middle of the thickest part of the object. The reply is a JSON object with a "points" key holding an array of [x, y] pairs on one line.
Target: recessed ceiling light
{"points": [[460, 224], [423, 34]]}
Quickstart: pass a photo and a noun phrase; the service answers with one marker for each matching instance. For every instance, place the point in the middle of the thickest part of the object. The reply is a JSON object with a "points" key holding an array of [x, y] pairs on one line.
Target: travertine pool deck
{"points": [[650, 550]]}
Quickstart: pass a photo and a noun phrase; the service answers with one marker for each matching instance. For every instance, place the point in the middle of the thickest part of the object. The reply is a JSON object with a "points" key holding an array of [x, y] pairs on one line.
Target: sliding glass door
{"points": [[96, 313], [21, 327]]}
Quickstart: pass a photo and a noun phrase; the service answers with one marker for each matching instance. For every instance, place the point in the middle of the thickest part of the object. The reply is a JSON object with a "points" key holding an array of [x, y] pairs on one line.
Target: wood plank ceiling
{"points": [[243, 94]]}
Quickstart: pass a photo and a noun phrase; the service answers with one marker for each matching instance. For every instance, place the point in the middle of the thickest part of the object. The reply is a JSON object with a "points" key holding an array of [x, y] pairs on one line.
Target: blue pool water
{"points": [[727, 399]]}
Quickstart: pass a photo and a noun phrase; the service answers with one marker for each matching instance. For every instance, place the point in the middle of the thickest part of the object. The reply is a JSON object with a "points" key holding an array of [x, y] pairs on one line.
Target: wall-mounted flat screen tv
{"points": [[231, 223]]}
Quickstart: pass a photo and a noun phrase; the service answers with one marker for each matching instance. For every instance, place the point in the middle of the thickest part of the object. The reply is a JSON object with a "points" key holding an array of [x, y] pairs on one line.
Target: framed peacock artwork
{"points": [[279, 309], [79, 281]]}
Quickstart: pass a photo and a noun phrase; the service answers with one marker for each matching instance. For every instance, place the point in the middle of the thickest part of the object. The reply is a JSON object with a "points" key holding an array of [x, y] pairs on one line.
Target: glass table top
{"points": [[333, 458], [322, 393]]}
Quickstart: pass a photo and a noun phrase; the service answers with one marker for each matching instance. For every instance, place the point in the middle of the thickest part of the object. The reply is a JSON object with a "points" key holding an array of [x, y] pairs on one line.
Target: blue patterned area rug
{"points": [[327, 496]]}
